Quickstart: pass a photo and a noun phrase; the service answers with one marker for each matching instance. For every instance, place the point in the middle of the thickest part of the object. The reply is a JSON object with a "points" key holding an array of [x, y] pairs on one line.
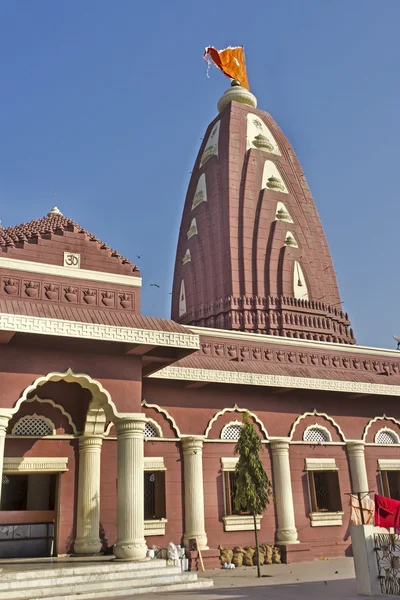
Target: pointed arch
{"points": [[235, 408], [166, 414], [315, 413], [384, 417]]}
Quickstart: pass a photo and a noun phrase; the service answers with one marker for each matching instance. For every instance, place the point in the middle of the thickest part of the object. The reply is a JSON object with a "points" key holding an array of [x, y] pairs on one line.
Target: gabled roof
{"points": [[55, 223]]}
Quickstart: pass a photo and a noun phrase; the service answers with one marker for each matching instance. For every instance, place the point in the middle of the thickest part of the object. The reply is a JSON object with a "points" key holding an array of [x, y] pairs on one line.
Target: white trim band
{"points": [[29, 464], [59, 271], [387, 464], [305, 383], [95, 331], [152, 463], [320, 464]]}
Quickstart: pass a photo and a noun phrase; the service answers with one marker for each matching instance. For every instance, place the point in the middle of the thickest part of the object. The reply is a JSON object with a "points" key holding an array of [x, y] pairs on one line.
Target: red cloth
{"points": [[387, 512]]}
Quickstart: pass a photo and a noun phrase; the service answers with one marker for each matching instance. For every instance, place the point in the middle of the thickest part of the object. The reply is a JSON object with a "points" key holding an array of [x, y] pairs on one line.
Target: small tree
{"points": [[253, 487]]}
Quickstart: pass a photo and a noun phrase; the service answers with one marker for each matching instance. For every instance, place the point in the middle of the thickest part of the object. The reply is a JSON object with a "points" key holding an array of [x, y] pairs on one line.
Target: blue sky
{"points": [[105, 102]]}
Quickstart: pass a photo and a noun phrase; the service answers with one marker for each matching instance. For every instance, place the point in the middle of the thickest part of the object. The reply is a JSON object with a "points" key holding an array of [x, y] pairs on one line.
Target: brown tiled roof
{"points": [[196, 361], [86, 315], [54, 223]]}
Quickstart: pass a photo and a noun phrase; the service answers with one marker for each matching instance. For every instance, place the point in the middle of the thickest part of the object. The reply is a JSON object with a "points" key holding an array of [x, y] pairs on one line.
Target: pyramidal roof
{"points": [[55, 223]]}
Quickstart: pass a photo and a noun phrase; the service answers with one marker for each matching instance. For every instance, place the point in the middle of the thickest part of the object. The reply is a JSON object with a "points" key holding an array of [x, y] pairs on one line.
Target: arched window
{"points": [[33, 425], [151, 430], [231, 431], [317, 434], [386, 436]]}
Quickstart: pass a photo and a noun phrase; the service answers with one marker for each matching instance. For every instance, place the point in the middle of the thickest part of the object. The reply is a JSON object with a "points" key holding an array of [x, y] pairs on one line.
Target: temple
{"points": [[252, 255], [117, 430]]}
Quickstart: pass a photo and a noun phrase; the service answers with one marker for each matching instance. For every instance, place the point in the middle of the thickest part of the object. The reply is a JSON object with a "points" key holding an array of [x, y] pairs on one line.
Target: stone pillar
{"points": [[130, 542], [358, 470], [286, 532], [4, 419], [194, 492], [88, 511]]}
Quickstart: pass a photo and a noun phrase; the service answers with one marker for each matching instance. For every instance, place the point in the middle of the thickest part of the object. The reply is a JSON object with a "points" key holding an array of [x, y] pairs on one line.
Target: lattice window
{"points": [[5, 480], [150, 431], [33, 425], [386, 436], [317, 435], [231, 432]]}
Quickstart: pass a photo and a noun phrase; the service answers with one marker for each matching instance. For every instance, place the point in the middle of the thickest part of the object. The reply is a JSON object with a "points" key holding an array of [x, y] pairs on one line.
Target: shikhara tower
{"points": [[252, 254]]}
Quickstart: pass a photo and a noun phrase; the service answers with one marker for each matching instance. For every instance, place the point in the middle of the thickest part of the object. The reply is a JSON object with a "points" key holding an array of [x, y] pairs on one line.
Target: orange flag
{"points": [[230, 61]]}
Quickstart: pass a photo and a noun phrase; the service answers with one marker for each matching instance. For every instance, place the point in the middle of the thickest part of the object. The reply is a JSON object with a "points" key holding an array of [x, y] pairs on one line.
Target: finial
{"points": [[54, 211], [236, 93]]}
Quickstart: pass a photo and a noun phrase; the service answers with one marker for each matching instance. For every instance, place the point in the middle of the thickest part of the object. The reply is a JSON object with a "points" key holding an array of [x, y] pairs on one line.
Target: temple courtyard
{"points": [[328, 579]]}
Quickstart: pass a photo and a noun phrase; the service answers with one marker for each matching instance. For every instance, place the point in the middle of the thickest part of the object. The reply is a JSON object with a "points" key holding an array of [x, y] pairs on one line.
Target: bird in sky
{"points": [[154, 285], [139, 255]]}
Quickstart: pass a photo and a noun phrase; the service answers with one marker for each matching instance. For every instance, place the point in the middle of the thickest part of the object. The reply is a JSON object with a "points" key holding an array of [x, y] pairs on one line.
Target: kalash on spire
{"points": [[252, 254]]}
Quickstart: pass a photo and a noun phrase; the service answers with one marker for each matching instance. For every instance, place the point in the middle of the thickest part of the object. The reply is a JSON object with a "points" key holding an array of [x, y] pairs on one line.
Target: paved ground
{"points": [[321, 579]]}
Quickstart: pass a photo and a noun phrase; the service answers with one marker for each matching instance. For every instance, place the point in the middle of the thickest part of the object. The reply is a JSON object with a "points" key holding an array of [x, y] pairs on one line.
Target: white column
{"points": [[4, 419], [194, 491], [130, 435], [358, 470], [286, 532], [88, 510]]}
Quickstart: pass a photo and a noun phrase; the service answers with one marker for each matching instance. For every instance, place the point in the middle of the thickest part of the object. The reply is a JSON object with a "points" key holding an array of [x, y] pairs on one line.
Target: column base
{"points": [[201, 538], [87, 546], [287, 536], [130, 549], [295, 553]]}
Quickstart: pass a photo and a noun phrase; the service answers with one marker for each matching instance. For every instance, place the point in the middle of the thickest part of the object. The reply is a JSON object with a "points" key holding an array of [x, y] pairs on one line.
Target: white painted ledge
{"points": [[326, 519], [29, 266], [241, 522], [155, 527]]}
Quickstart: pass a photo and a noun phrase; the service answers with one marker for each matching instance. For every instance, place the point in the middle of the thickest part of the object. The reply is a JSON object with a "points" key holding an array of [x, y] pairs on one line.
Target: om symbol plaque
{"points": [[72, 260]]}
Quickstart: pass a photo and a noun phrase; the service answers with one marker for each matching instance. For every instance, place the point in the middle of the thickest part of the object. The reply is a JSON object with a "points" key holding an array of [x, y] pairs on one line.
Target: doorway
{"points": [[28, 515]]}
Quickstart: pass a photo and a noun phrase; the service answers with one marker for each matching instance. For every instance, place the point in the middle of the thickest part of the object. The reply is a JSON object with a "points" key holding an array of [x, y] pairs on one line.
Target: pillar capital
{"points": [[279, 445], [90, 443], [355, 446], [131, 425], [5, 417], [192, 444]]}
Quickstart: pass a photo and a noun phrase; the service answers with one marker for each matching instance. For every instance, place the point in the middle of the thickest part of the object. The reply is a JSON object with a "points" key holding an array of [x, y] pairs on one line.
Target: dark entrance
{"points": [[28, 515]]}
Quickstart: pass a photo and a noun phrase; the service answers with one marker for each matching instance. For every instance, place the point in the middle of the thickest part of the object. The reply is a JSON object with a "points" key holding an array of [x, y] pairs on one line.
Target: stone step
{"points": [[98, 587], [112, 593], [50, 578], [113, 566]]}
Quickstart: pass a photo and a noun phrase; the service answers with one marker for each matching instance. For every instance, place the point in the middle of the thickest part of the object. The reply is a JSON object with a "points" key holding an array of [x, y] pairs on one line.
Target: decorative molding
{"points": [[284, 341], [304, 383], [108, 429], [28, 464], [391, 433], [101, 397], [388, 464], [321, 428], [155, 527], [96, 331], [152, 463], [325, 519], [166, 414], [374, 420], [320, 464], [315, 413], [28, 266], [228, 464], [235, 408], [58, 407], [241, 522]]}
